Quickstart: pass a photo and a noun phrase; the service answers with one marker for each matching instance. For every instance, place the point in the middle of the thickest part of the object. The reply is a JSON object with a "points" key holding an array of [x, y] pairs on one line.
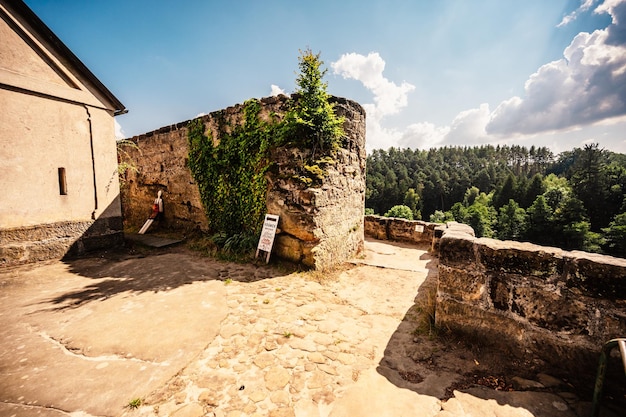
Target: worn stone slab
{"points": [[152, 240], [75, 334], [481, 401]]}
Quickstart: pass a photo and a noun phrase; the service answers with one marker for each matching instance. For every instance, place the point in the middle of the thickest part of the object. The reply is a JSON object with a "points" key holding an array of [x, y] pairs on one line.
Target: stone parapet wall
{"points": [[531, 301], [391, 228], [319, 226], [58, 240]]}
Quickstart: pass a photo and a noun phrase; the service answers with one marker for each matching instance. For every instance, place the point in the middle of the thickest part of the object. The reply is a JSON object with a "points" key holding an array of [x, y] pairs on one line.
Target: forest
{"points": [[573, 200]]}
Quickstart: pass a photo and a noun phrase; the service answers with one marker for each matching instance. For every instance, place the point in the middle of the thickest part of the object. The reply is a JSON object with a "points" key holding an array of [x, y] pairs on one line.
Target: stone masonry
{"points": [[534, 302], [401, 230], [319, 226]]}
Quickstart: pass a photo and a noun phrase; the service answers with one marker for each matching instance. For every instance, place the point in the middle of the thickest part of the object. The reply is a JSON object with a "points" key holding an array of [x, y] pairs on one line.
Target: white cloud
{"points": [[617, 30], [610, 7], [585, 5], [423, 135], [578, 99], [119, 132], [585, 87], [389, 98], [276, 90], [468, 127]]}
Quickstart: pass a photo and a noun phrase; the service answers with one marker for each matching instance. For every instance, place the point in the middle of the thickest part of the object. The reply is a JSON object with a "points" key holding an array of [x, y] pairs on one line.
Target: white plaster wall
{"points": [[37, 136], [105, 151], [50, 119]]}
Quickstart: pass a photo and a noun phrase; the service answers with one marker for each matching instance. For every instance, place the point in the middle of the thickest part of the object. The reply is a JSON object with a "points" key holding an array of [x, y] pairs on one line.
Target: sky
{"points": [[429, 73]]}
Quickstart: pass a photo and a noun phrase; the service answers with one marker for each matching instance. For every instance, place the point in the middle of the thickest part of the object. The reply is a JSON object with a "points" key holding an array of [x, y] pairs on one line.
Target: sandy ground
{"points": [[171, 333]]}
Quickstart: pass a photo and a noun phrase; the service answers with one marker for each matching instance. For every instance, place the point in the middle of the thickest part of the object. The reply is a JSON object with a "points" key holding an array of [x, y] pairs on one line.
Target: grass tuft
{"points": [[134, 404]]}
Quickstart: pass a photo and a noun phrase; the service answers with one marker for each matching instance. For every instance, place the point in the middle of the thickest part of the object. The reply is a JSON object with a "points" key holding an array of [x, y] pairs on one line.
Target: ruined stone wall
{"points": [[319, 226], [160, 164], [322, 226], [390, 228], [535, 302]]}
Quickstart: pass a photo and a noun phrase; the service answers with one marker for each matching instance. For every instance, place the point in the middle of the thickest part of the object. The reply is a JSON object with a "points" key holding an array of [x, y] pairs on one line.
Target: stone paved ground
{"points": [[292, 346], [194, 337]]}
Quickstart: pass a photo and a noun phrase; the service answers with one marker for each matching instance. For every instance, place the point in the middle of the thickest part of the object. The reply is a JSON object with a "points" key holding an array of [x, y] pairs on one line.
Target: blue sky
{"points": [[429, 73]]}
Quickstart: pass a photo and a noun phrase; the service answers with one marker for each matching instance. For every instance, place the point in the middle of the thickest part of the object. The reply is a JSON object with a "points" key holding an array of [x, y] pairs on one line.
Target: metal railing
{"points": [[604, 355]]}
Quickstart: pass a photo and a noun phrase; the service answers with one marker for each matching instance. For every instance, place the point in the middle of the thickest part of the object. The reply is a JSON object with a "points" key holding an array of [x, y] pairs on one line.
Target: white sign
{"points": [[266, 241], [419, 228]]}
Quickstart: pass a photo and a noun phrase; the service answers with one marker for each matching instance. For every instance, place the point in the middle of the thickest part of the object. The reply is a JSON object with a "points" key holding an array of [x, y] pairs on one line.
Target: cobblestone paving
{"points": [[223, 340], [288, 346]]}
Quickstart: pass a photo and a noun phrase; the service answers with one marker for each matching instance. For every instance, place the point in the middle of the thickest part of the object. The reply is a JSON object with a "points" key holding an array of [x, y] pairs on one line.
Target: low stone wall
{"points": [[58, 240], [391, 228], [531, 301]]}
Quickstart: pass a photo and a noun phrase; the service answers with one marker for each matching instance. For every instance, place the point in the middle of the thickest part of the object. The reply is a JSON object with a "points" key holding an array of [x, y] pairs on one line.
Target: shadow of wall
{"points": [[62, 239]]}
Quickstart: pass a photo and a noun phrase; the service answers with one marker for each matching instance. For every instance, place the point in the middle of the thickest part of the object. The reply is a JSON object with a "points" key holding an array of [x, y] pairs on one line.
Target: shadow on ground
{"points": [[431, 361], [139, 270]]}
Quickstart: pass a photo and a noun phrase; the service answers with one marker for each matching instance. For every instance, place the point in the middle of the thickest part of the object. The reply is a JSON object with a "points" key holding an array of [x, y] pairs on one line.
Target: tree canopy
{"points": [[576, 200]]}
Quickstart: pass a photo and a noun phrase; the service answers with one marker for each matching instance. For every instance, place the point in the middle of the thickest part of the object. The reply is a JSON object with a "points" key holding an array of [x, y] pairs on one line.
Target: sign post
{"points": [[266, 241]]}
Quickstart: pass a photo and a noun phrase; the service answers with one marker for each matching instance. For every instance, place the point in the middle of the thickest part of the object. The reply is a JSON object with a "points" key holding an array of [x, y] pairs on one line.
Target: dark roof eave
{"points": [[40, 27]]}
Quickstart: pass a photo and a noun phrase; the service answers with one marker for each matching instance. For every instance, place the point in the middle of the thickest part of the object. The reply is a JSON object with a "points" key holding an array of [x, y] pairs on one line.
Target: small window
{"points": [[62, 182]]}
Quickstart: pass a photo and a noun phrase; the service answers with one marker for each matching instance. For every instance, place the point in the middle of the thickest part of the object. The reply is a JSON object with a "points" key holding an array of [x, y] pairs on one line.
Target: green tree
{"points": [[481, 218], [470, 196], [535, 188], [615, 236], [539, 228], [311, 121], [482, 180], [411, 200], [589, 182], [485, 199], [557, 190], [505, 193], [440, 217], [400, 211], [571, 223], [511, 221], [459, 212]]}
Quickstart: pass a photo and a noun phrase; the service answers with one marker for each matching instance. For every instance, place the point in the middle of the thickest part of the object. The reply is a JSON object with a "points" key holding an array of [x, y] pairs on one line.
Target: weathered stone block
{"points": [[500, 293], [550, 309], [519, 258], [464, 284], [294, 250], [597, 275], [58, 240], [489, 328], [457, 250], [389, 228], [555, 305]]}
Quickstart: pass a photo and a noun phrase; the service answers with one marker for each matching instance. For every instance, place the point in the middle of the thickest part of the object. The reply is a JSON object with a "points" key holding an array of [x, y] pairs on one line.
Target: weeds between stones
{"points": [[134, 403]]}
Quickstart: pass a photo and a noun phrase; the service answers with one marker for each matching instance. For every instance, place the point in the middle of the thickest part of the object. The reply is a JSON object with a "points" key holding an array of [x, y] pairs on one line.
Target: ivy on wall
{"points": [[231, 174]]}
